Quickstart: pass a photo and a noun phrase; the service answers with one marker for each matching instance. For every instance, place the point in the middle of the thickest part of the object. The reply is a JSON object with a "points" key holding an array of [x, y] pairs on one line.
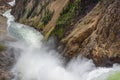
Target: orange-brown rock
{"points": [[97, 36], [30, 12]]}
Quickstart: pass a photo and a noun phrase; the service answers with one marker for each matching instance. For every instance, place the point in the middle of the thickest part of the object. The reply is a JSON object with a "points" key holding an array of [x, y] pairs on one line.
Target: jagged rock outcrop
{"points": [[97, 35], [45, 15], [80, 28], [41, 14], [29, 11]]}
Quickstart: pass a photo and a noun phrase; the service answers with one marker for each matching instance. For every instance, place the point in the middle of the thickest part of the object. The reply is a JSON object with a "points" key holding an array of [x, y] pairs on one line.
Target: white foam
{"points": [[9, 17]]}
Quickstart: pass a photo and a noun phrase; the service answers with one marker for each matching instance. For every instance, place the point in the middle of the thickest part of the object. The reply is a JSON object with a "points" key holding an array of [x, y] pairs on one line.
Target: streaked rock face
{"points": [[30, 12], [97, 35]]}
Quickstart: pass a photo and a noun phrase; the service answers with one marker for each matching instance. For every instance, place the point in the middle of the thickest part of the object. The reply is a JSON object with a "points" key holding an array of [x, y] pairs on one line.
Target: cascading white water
{"points": [[12, 3], [36, 61]]}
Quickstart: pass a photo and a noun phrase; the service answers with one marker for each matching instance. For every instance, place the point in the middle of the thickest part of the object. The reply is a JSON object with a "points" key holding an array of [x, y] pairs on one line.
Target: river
{"points": [[36, 60]]}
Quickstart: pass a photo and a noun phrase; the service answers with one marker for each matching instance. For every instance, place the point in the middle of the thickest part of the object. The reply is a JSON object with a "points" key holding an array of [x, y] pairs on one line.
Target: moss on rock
{"points": [[69, 13], [47, 17]]}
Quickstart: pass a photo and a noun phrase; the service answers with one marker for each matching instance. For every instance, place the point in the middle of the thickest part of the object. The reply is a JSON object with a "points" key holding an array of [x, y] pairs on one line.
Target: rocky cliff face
{"points": [[48, 15], [41, 14], [80, 28], [36, 13], [97, 35], [6, 56]]}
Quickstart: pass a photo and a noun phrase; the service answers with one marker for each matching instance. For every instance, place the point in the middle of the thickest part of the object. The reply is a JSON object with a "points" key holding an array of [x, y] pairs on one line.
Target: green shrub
{"points": [[69, 13]]}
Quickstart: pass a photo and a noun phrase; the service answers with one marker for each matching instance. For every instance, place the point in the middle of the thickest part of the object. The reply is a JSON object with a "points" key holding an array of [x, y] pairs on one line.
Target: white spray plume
{"points": [[37, 61]]}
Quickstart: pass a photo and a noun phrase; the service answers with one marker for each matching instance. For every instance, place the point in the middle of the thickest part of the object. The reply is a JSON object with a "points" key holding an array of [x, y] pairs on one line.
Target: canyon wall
{"points": [[45, 15], [83, 27], [97, 35], [6, 55]]}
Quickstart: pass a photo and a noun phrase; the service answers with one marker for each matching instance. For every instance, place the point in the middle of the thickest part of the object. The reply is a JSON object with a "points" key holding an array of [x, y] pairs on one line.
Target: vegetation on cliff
{"points": [[32, 12], [40, 25], [97, 35], [69, 13], [80, 28], [69, 16], [47, 17]]}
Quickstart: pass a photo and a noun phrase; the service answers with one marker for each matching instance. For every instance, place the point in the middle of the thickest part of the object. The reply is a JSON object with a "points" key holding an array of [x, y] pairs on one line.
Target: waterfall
{"points": [[38, 61]]}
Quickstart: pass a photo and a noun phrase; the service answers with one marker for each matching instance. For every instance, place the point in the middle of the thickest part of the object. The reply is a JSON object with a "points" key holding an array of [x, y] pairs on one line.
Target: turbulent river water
{"points": [[36, 60]]}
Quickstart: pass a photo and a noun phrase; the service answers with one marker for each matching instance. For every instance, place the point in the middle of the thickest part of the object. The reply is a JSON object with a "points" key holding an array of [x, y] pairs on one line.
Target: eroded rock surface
{"points": [[31, 12], [97, 36], [44, 14], [93, 34]]}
